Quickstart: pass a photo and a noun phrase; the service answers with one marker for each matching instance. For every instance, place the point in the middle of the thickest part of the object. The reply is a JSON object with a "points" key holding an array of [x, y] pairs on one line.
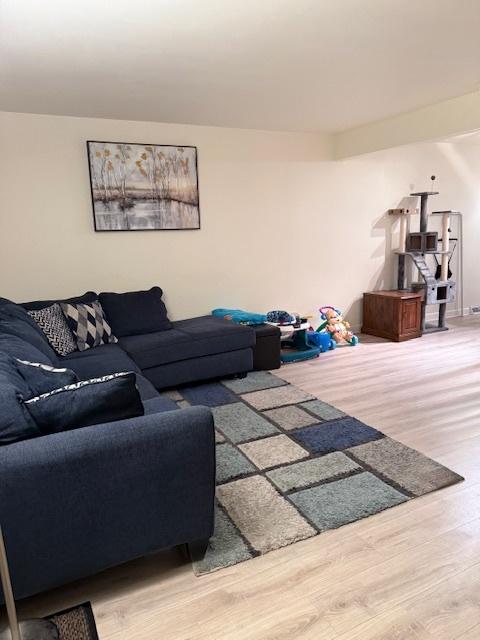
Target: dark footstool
{"points": [[266, 352]]}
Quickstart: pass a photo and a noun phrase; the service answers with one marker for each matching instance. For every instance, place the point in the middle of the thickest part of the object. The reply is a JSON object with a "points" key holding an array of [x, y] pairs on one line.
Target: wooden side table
{"points": [[395, 315]]}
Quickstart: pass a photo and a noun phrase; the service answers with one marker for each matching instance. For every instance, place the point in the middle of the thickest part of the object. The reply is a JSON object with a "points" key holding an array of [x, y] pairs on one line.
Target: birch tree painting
{"points": [[139, 187]]}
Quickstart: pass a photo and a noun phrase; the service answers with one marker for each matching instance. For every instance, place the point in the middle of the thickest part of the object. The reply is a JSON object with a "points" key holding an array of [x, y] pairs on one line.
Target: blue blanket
{"points": [[240, 317]]}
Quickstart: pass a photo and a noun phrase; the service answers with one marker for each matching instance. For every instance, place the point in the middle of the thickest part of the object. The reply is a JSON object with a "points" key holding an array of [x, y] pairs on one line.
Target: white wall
{"points": [[434, 122], [375, 182], [283, 225]]}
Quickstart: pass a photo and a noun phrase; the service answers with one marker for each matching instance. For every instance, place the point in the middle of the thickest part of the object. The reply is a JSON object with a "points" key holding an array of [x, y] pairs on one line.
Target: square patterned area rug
{"points": [[290, 466]]}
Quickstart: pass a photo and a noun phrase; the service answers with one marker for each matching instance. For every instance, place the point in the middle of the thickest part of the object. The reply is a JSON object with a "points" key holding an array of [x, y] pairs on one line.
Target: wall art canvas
{"points": [[139, 187]]}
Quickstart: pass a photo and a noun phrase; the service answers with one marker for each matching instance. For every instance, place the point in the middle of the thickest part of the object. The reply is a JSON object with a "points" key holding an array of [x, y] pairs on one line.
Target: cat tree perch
{"points": [[438, 289]]}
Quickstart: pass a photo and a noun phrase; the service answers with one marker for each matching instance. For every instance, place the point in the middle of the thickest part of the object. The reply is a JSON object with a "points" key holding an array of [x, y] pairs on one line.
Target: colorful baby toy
{"points": [[321, 339], [336, 327]]}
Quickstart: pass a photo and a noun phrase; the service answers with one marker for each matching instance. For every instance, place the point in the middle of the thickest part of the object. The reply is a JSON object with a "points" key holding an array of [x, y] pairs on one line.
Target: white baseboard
{"points": [[431, 316], [451, 313]]}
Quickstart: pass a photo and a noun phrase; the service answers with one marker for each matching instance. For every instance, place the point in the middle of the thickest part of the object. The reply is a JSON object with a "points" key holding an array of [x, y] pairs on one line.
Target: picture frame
{"points": [[143, 187]]}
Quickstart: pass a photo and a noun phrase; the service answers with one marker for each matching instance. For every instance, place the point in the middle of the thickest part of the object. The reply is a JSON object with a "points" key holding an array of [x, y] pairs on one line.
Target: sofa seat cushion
{"points": [[160, 404], [108, 358], [193, 338], [146, 390], [151, 349], [99, 361]]}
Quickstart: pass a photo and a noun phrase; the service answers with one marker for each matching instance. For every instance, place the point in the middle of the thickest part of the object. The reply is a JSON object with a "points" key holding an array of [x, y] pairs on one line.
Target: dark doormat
{"points": [[77, 623]]}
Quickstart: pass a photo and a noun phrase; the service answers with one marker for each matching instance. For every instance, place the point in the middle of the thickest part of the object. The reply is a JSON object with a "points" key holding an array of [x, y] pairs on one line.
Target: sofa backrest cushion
{"points": [[10, 375], [15, 321], [19, 348], [135, 312], [87, 297], [15, 421]]}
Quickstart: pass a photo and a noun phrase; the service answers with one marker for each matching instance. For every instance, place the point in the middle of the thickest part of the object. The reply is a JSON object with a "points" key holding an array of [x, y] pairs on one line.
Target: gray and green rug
{"points": [[290, 466]]}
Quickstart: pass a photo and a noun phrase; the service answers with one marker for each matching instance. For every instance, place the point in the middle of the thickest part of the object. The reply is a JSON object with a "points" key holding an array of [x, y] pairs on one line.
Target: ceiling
{"points": [[297, 65]]}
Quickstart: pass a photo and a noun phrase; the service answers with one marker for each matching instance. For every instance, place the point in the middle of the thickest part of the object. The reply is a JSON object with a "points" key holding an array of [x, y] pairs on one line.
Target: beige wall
{"points": [[283, 225]]}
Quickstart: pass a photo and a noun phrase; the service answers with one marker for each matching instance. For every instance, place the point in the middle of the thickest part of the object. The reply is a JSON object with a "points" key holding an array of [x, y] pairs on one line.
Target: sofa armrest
{"points": [[77, 502]]}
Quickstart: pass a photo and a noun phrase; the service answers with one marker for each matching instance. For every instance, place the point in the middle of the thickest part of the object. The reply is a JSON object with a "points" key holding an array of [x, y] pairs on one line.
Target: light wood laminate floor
{"points": [[412, 572]]}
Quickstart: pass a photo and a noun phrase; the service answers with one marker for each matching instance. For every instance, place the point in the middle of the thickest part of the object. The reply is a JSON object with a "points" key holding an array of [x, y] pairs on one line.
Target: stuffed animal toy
{"points": [[336, 326]]}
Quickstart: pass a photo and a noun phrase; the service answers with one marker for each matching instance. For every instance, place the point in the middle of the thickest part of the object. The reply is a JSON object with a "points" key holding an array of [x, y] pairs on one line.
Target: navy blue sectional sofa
{"points": [[76, 502]]}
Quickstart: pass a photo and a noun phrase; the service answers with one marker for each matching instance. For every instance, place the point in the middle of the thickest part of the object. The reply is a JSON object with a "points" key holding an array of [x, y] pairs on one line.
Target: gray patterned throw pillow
{"points": [[88, 324], [53, 324]]}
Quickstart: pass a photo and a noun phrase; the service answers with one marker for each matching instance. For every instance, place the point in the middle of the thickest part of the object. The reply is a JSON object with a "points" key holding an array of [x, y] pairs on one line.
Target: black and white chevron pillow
{"points": [[88, 324], [53, 324]]}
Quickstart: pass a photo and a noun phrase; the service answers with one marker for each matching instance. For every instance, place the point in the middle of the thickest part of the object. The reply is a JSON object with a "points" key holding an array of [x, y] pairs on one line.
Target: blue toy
{"points": [[322, 340], [298, 347]]}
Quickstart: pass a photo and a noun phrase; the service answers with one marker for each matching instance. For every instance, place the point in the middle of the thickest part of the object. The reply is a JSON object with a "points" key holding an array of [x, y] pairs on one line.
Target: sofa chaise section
{"points": [[193, 349], [77, 502]]}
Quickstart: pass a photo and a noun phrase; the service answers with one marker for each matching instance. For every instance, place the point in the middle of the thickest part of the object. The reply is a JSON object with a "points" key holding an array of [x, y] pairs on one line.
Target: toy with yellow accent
{"points": [[337, 327]]}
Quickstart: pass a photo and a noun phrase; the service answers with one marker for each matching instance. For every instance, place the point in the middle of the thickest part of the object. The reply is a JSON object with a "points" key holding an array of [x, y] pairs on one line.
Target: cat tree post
{"points": [[403, 233], [445, 244], [442, 310], [402, 240]]}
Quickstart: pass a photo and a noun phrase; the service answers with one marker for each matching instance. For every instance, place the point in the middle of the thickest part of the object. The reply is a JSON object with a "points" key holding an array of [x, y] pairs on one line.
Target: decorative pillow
{"points": [[136, 312], [100, 400], [53, 324], [88, 324], [41, 378]]}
